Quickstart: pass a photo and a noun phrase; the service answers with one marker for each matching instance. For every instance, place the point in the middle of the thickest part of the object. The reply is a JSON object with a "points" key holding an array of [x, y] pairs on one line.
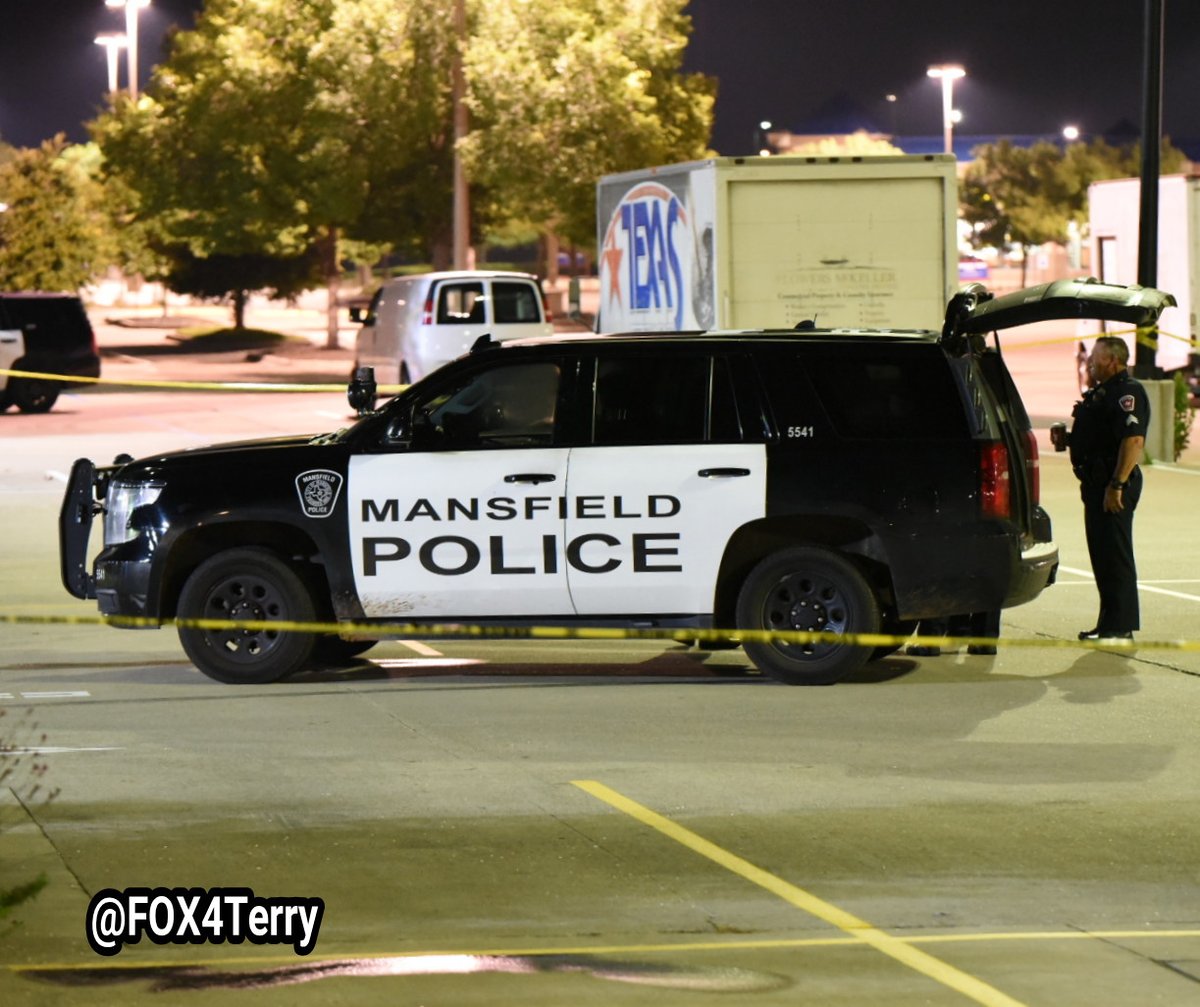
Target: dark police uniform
{"points": [[1106, 415]]}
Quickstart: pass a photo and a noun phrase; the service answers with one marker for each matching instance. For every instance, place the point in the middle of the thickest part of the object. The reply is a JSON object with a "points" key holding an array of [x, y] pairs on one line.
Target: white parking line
{"points": [[423, 649], [1175, 468], [57, 750], [45, 695], [1142, 585]]}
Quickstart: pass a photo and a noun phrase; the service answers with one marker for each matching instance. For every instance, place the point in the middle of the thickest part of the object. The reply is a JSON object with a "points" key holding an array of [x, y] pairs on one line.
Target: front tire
{"points": [[810, 589], [246, 584]]}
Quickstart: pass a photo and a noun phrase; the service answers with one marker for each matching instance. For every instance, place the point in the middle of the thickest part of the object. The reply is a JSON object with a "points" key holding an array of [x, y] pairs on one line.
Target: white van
{"points": [[415, 324]]}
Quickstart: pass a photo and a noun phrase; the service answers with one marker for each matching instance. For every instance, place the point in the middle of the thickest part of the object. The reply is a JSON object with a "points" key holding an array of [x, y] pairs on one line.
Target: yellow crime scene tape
{"points": [[202, 386], [402, 630], [1147, 335], [463, 631]]}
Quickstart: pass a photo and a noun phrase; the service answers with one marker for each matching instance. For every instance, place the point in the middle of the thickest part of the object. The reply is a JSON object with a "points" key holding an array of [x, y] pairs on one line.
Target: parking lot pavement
{"points": [[1018, 829]]}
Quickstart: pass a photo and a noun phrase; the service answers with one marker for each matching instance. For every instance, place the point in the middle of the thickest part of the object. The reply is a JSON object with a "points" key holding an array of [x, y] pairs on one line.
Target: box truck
{"points": [[770, 242], [1114, 211]]}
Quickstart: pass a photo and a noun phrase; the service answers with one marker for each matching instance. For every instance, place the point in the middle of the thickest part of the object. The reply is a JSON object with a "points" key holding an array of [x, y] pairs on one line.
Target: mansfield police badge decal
{"points": [[318, 489]]}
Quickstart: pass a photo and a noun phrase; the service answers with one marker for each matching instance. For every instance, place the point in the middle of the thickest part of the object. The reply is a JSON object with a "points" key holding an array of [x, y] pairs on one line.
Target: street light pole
{"points": [[111, 41], [947, 73], [461, 206], [1145, 362], [131, 32]]}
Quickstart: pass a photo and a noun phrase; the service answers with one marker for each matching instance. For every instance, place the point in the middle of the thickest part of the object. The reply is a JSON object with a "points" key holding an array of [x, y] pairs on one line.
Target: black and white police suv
{"points": [[835, 481]]}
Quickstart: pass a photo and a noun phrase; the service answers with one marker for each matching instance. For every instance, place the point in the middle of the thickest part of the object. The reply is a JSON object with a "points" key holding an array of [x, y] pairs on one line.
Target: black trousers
{"points": [[1110, 545]]}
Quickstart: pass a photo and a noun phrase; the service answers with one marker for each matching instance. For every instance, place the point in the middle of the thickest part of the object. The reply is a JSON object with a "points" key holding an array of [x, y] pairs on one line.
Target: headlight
{"points": [[120, 502]]}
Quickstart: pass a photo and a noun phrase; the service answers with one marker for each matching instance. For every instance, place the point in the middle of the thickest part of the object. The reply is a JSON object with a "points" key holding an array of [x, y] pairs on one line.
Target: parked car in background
{"points": [[45, 334], [415, 324]]}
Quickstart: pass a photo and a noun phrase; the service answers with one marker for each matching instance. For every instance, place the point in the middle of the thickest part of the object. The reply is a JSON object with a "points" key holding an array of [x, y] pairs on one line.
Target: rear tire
{"points": [[251, 584], [807, 588], [33, 395]]}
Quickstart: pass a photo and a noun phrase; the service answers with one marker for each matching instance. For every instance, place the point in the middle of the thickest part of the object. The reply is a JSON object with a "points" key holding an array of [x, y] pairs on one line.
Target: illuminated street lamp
{"points": [[1070, 133], [764, 148], [131, 31], [947, 73], [112, 41]]}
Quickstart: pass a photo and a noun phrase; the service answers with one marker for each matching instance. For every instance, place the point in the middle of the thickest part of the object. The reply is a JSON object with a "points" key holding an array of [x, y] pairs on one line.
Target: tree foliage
{"points": [[1027, 196], [54, 234], [562, 93], [275, 126]]}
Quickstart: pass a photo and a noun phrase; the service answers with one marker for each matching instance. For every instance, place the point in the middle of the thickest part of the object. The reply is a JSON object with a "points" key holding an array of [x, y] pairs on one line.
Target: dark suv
{"points": [[47, 335], [834, 482]]}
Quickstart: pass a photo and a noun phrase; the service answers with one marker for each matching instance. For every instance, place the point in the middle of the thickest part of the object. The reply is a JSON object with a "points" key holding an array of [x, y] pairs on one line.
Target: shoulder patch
{"points": [[318, 490], [1127, 402]]}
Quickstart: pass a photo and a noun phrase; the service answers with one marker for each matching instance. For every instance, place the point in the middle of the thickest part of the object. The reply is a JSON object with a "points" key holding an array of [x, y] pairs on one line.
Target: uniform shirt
{"points": [[1103, 418]]}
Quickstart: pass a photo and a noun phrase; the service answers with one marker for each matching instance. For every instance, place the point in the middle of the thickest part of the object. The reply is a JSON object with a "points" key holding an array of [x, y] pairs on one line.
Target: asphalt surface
{"points": [[612, 823]]}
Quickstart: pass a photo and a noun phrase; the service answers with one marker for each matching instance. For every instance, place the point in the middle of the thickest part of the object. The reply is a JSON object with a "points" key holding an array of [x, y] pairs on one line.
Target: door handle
{"points": [[530, 477], [722, 473]]}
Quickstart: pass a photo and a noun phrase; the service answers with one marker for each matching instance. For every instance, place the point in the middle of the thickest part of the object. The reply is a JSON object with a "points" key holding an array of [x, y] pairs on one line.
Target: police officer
{"points": [[1106, 441]]}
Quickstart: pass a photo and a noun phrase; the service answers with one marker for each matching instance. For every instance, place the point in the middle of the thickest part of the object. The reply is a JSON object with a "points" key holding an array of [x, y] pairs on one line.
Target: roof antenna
{"points": [[806, 324]]}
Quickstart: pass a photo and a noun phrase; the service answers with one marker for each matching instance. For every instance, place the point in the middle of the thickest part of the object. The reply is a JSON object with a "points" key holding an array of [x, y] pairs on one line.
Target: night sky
{"points": [[1033, 65]]}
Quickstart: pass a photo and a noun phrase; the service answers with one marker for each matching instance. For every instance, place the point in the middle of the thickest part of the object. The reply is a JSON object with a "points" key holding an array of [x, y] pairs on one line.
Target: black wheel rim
{"points": [[245, 597], [808, 603]]}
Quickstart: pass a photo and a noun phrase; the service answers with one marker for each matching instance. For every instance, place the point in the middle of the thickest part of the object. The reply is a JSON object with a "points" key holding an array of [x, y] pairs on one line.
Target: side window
{"points": [[889, 395], [724, 426], [645, 399], [799, 418], [514, 303], [511, 406], [460, 304]]}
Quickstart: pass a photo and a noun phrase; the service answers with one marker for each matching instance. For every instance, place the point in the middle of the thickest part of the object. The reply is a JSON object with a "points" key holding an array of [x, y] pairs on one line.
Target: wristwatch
{"points": [[1116, 484]]}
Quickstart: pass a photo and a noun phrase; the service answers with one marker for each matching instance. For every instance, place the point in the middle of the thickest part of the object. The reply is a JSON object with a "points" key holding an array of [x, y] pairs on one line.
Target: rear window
{"points": [[876, 393], [460, 304], [514, 303]]}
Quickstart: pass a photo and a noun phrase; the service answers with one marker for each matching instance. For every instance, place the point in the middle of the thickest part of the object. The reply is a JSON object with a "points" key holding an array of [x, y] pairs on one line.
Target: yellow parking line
{"points": [[903, 952]]}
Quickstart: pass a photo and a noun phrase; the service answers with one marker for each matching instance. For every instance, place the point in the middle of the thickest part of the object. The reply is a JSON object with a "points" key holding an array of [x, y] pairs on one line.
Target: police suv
{"points": [[840, 482]]}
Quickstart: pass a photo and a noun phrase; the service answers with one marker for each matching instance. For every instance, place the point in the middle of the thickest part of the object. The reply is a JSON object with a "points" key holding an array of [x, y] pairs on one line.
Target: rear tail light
{"points": [[546, 308], [995, 496], [427, 311], [1033, 466]]}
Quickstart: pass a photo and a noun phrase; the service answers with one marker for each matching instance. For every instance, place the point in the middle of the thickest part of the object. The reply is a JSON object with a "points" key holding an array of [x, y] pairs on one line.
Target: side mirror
{"points": [[362, 390], [358, 314]]}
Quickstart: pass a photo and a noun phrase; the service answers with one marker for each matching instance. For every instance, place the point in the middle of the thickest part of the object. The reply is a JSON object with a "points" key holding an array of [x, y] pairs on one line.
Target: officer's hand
{"points": [[1113, 503]]}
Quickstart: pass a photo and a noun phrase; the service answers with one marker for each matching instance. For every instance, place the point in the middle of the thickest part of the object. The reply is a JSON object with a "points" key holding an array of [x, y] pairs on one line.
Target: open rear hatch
{"points": [[975, 311]]}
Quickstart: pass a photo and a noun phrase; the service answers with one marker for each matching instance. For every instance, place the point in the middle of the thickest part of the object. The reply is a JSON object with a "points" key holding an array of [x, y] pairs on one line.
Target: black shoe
{"points": [[981, 650], [1105, 635]]}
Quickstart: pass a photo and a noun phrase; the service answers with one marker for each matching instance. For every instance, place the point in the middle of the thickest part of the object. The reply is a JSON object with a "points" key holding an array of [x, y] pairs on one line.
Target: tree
{"points": [[1027, 196], [259, 136], [53, 233], [563, 92], [274, 127]]}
